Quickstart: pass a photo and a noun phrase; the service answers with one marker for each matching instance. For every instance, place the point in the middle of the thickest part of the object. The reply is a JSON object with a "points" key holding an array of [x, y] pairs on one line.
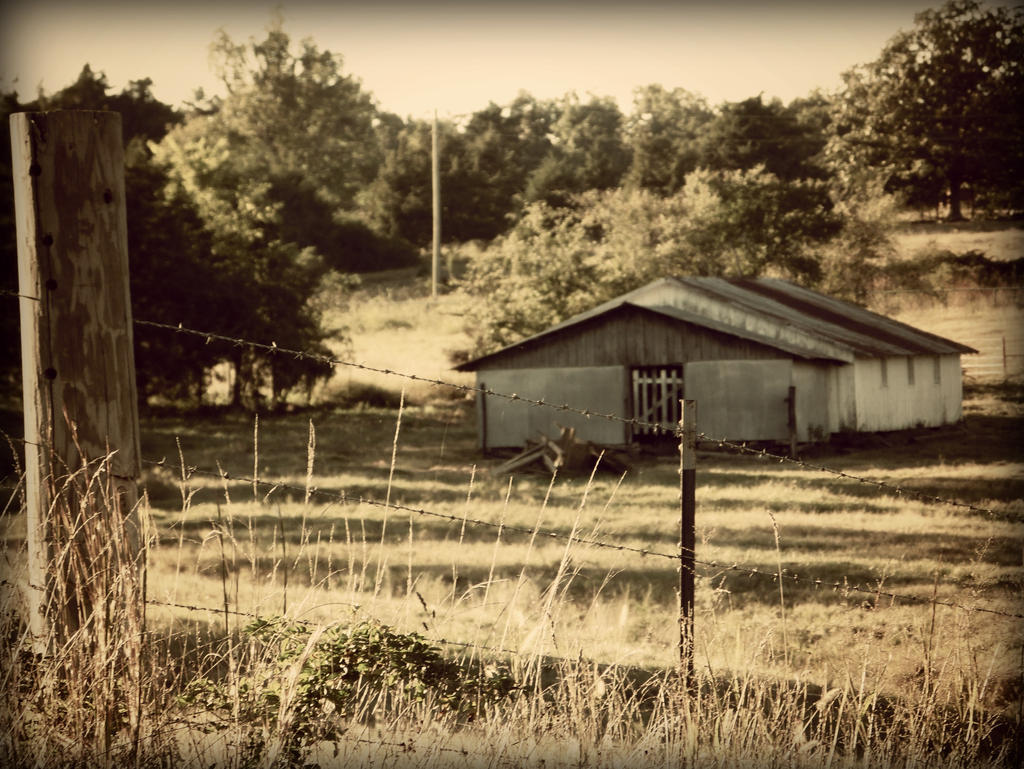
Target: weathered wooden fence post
{"points": [[687, 535], [81, 414]]}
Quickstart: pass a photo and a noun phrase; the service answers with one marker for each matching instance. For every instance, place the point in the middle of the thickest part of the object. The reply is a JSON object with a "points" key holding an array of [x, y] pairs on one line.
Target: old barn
{"points": [[764, 359]]}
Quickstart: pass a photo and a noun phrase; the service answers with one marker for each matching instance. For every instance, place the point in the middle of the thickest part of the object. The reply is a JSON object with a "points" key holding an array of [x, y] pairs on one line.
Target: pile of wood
{"points": [[565, 455]]}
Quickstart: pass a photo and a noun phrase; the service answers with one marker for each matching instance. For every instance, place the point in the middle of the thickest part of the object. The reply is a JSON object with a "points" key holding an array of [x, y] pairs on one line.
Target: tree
{"points": [[296, 114], [483, 169], [853, 262], [589, 152], [294, 122], [268, 282], [663, 132], [751, 133], [561, 260], [173, 280], [502, 145], [940, 109], [143, 117], [399, 202], [749, 223]]}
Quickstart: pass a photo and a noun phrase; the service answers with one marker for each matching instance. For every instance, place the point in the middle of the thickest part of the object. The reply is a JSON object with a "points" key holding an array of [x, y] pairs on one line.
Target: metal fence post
{"points": [[687, 537]]}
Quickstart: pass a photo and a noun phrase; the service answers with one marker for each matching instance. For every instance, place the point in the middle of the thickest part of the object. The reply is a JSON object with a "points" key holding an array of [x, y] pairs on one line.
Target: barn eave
{"points": [[682, 317]]}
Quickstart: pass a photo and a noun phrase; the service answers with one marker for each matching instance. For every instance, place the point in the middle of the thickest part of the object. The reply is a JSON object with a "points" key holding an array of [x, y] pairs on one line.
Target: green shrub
{"points": [[365, 394], [302, 684]]}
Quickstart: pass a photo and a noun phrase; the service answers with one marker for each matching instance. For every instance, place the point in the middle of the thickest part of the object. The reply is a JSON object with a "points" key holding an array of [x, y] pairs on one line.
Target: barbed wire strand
{"points": [[344, 498], [8, 292], [842, 584], [668, 429]]}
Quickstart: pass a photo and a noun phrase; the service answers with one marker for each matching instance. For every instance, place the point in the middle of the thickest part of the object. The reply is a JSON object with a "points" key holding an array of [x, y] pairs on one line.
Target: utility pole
{"points": [[435, 178]]}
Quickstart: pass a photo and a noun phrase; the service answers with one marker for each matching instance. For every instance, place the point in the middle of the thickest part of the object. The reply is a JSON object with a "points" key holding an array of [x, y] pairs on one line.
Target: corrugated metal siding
{"points": [[511, 423], [628, 336], [893, 402], [842, 399], [700, 301], [814, 401], [741, 400]]}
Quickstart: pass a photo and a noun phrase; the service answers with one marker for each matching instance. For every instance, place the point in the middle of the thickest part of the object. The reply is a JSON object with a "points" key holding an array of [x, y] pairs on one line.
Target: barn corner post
{"points": [[687, 536], [82, 455]]}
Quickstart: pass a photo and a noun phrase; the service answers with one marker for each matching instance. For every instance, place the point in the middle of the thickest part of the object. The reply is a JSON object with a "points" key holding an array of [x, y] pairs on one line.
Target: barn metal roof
{"points": [[865, 333], [770, 311]]}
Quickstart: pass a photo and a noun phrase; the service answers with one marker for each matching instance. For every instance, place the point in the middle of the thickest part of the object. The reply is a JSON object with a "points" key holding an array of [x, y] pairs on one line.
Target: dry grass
{"points": [[996, 240], [992, 322], [285, 520], [857, 679]]}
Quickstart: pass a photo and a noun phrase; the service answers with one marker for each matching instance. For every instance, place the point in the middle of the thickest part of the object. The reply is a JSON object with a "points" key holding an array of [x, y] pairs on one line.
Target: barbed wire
{"points": [[842, 584], [359, 499], [274, 349], [634, 423], [884, 485], [8, 292]]}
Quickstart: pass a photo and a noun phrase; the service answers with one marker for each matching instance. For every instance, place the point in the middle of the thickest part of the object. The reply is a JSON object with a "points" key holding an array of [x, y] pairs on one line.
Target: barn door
{"points": [[657, 391]]}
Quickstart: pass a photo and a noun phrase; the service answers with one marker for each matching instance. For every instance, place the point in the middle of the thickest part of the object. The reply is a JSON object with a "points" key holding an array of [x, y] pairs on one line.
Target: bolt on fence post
{"points": [[82, 459], [687, 538]]}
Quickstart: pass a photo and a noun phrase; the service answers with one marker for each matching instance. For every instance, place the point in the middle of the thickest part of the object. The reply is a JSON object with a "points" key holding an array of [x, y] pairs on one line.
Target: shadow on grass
{"points": [[834, 583], [883, 545]]}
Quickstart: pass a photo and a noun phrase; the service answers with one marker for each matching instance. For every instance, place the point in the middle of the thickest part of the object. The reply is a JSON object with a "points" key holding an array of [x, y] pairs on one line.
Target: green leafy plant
{"points": [[303, 684]]}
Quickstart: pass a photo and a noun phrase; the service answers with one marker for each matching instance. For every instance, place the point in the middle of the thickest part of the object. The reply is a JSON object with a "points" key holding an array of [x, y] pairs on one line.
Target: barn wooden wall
{"points": [[630, 337]]}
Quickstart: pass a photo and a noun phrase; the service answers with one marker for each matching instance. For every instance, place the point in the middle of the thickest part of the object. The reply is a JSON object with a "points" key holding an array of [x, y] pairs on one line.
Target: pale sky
{"points": [[459, 55]]}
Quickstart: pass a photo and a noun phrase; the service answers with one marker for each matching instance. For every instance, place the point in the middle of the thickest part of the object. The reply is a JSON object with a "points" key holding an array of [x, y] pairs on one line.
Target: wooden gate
{"points": [[657, 391]]}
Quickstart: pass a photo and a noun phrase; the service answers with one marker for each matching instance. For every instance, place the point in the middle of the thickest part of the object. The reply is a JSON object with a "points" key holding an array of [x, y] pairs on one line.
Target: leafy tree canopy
{"points": [[484, 166], [588, 152], [753, 133], [287, 151], [561, 260], [940, 109], [295, 113], [663, 132]]}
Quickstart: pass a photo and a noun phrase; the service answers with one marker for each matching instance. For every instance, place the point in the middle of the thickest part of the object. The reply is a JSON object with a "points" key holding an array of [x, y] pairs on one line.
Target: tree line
{"points": [[243, 207]]}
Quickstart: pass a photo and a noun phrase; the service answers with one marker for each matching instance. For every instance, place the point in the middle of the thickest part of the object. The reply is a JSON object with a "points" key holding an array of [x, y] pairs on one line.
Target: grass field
{"points": [[836, 623], [994, 239], [947, 680], [992, 322]]}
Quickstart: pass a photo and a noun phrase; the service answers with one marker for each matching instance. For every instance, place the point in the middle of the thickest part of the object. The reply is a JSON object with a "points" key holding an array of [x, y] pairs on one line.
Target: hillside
{"points": [[393, 323], [998, 240], [991, 321]]}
